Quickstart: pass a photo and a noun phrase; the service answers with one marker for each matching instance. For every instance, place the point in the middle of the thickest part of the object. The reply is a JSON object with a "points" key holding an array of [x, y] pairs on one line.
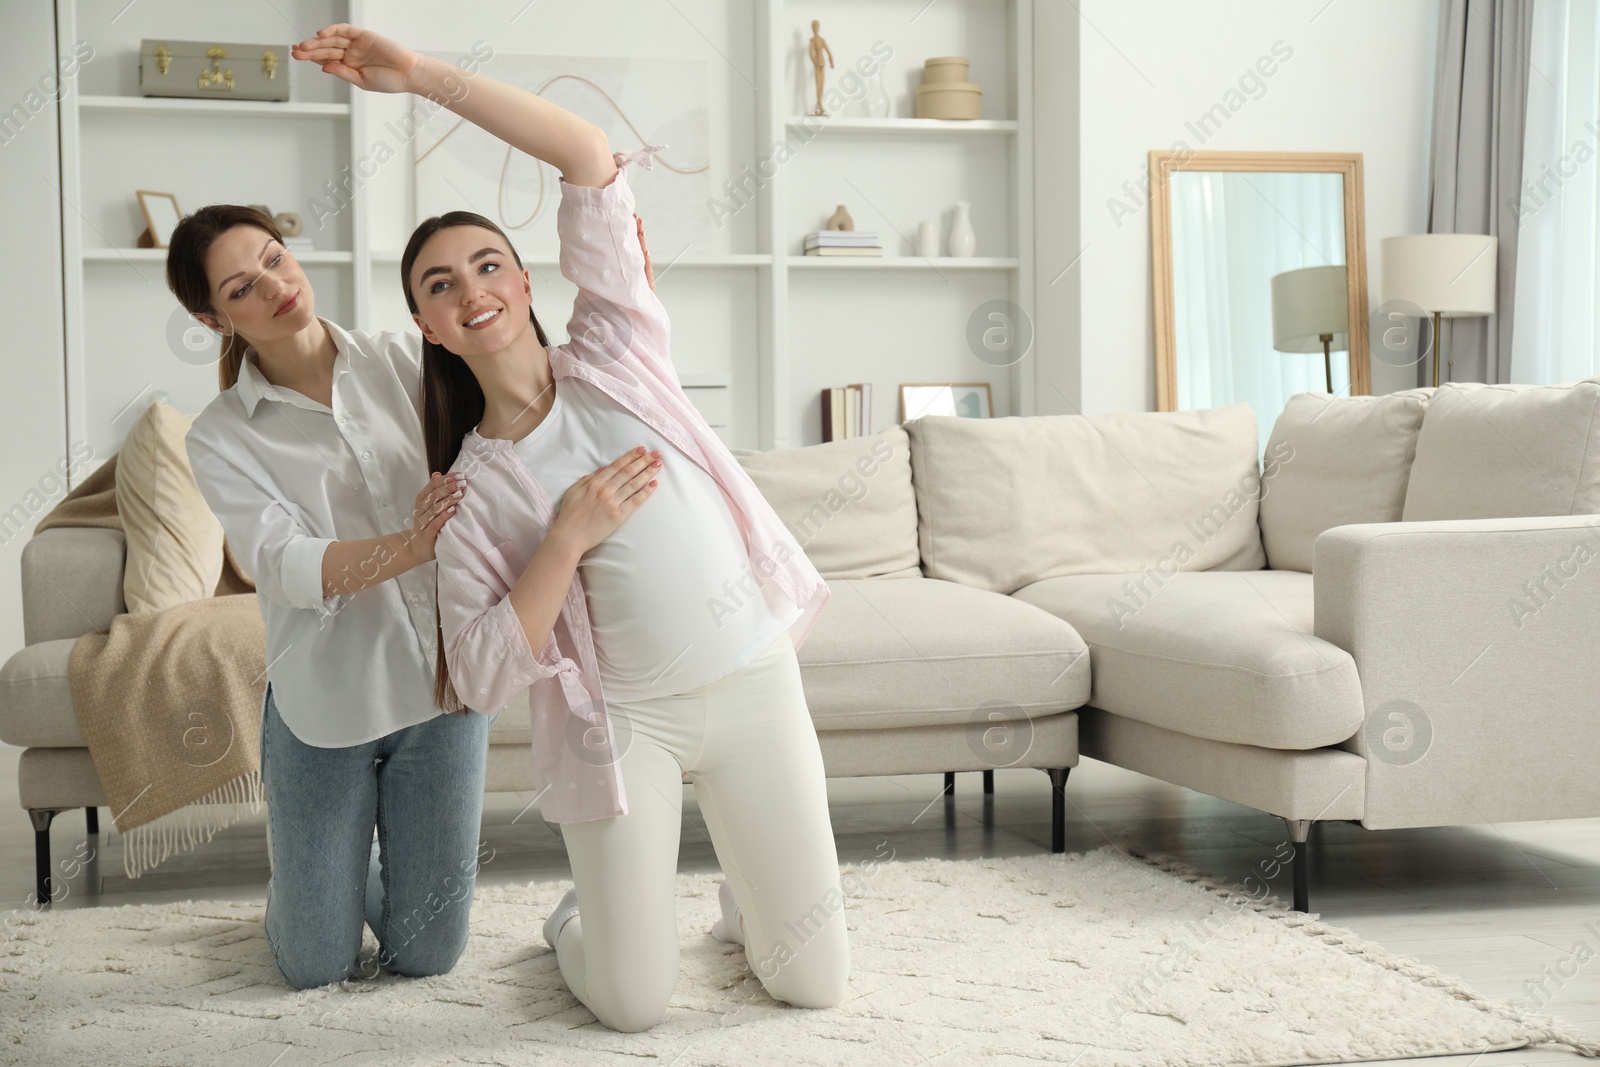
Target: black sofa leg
{"points": [[41, 819], [91, 816], [949, 783], [988, 783], [1299, 837], [1058, 807]]}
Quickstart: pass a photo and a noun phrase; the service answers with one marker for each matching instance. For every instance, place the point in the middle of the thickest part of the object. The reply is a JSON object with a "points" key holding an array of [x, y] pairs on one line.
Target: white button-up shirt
{"points": [[286, 476]]}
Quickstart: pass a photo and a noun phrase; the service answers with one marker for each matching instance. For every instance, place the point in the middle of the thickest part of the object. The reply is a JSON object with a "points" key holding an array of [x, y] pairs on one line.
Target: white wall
{"points": [[33, 419], [1359, 79]]}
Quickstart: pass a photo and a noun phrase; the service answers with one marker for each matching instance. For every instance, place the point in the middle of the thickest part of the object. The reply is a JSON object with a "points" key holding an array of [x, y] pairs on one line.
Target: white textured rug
{"points": [[1096, 959]]}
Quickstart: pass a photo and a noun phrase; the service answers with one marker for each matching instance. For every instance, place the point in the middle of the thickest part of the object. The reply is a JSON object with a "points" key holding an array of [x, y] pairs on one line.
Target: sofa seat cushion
{"points": [[36, 698], [924, 652], [36, 702], [1224, 655]]}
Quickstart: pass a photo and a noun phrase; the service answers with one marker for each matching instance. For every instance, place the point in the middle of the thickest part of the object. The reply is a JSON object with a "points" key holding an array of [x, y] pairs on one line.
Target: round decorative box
{"points": [[944, 69], [949, 100]]}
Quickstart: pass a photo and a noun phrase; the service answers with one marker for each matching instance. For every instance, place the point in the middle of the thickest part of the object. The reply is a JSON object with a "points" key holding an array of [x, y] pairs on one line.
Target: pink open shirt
{"points": [[619, 342]]}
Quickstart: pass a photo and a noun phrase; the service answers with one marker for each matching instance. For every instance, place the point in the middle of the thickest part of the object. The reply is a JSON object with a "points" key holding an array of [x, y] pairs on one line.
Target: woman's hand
{"points": [[649, 274], [435, 504], [365, 59], [597, 503]]}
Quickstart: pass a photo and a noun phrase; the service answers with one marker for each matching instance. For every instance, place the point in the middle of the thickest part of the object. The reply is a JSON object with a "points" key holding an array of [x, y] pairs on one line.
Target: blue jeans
{"points": [[422, 787]]}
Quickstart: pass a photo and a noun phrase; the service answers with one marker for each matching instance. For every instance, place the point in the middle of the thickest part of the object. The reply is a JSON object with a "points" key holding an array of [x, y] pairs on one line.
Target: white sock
{"points": [[558, 918], [730, 927]]}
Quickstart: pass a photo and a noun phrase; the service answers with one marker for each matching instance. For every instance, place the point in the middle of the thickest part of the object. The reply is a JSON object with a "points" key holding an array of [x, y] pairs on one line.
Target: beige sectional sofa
{"points": [[1333, 635]]}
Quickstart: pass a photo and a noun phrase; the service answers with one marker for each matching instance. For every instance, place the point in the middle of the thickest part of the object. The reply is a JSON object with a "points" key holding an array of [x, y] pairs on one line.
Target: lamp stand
{"points": [[1327, 360], [1437, 338]]}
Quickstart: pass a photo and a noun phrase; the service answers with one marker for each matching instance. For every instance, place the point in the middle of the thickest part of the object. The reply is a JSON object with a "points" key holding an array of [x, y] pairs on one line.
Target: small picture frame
{"points": [[161, 216], [965, 399]]}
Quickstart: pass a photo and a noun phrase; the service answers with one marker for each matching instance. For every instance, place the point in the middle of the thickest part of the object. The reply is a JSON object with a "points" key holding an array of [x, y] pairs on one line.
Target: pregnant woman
{"points": [[664, 597]]}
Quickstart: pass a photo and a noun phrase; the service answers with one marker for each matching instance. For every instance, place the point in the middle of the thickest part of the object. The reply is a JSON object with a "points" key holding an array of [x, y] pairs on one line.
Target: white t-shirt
{"points": [[673, 601]]}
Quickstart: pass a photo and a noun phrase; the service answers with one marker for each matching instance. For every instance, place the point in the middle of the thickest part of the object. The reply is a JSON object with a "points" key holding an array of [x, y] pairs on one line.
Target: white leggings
{"points": [[750, 748]]}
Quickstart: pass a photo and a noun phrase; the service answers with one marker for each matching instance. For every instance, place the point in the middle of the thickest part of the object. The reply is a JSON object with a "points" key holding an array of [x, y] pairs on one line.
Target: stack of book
{"points": [[299, 244], [843, 243], [847, 411]]}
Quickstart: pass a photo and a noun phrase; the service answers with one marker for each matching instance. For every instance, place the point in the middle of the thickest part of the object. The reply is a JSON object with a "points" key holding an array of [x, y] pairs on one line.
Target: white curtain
{"points": [[1558, 251], [1231, 232]]}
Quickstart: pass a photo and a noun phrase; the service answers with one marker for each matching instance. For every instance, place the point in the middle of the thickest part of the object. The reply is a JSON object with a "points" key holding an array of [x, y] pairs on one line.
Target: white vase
{"points": [[878, 105], [928, 239], [963, 242]]}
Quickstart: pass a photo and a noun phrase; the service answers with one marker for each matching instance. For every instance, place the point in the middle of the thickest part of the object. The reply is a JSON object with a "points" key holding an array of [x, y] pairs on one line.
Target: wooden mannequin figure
{"points": [[819, 48]]}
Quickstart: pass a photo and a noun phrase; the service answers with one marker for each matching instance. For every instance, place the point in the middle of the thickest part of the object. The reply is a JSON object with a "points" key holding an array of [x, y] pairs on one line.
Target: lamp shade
{"points": [[1308, 303], [1451, 274]]}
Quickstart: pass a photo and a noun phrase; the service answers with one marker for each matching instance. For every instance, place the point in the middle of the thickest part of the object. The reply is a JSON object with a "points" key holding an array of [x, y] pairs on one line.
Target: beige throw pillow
{"points": [[1006, 502], [174, 542], [1334, 461], [1507, 451], [848, 503]]}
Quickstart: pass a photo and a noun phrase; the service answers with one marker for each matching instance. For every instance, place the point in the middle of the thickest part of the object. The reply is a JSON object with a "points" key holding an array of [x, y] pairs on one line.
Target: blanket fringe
{"points": [[1539, 1027], [193, 824]]}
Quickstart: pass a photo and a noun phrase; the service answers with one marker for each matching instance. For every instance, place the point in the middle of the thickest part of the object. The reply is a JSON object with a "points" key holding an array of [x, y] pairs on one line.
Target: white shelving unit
{"points": [[118, 311], [760, 327], [787, 284]]}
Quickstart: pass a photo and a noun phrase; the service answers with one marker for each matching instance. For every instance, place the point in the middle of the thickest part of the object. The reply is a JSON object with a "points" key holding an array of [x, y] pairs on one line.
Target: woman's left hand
{"points": [[361, 57], [649, 274]]}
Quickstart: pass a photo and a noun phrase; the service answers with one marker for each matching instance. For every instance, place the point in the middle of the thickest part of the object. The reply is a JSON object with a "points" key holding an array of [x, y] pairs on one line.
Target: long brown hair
{"points": [[452, 403], [186, 270]]}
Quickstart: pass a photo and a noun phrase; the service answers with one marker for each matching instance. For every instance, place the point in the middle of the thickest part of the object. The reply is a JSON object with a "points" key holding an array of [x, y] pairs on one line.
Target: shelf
{"points": [[166, 105], [146, 255], [895, 126], [729, 260], [905, 262]]}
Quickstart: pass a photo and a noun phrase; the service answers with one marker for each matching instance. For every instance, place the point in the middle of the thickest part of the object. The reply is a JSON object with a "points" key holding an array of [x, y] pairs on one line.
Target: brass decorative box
{"points": [[207, 70]]}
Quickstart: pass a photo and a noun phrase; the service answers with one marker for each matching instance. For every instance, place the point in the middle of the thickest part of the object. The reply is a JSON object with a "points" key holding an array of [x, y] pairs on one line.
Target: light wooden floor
{"points": [[1495, 905]]}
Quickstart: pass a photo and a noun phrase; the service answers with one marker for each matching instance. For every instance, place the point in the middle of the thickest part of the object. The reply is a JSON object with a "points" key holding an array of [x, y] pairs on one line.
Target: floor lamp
{"points": [[1311, 313], [1446, 275]]}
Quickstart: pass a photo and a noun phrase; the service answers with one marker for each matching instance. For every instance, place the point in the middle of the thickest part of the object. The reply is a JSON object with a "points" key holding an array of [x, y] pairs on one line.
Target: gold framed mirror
{"points": [[1248, 254]]}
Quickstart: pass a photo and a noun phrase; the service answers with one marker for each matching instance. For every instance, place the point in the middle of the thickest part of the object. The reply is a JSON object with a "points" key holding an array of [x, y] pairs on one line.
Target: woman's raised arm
{"points": [[544, 130]]}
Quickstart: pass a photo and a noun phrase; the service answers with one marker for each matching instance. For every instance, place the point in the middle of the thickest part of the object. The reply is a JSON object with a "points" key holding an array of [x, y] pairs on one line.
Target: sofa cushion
{"points": [[1332, 461], [174, 542], [922, 652], [1005, 502], [1224, 656], [36, 697], [1507, 451], [848, 503]]}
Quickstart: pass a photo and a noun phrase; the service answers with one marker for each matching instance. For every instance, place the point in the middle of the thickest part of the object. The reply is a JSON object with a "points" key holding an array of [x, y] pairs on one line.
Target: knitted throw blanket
{"points": [[169, 702]]}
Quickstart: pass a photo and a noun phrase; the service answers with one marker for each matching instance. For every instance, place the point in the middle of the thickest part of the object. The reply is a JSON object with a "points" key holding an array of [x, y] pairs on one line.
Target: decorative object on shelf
{"points": [[1446, 275], [1310, 312], [877, 101], [288, 223], [847, 411], [818, 47], [840, 220], [945, 92], [963, 242], [203, 69], [161, 217], [969, 400], [843, 243], [928, 239]]}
